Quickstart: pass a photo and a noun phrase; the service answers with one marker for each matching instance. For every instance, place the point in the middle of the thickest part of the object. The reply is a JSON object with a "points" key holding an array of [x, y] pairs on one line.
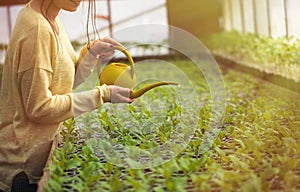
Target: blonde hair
{"points": [[90, 17]]}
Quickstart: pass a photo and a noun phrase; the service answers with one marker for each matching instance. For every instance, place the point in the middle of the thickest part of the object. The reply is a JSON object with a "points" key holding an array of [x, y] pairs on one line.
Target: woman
{"points": [[39, 73]]}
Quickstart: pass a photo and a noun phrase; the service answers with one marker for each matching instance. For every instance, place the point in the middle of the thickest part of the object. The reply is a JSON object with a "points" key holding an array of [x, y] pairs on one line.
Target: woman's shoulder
{"points": [[30, 20]]}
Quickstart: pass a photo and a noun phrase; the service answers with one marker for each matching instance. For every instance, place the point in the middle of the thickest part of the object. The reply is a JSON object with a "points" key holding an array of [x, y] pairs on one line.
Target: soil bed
{"points": [[257, 149]]}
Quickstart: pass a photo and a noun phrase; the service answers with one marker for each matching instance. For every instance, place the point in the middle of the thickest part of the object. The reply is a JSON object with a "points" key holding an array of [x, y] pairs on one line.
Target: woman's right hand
{"points": [[120, 94], [104, 47]]}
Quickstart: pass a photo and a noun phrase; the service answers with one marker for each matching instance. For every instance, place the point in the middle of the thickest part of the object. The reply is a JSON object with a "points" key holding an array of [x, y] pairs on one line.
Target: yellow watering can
{"points": [[123, 75]]}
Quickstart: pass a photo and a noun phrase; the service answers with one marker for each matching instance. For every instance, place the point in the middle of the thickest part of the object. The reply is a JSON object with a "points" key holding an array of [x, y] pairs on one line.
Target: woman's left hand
{"points": [[120, 94]]}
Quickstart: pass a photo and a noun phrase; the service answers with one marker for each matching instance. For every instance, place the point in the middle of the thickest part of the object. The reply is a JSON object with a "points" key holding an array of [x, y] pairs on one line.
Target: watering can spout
{"points": [[140, 92], [123, 75]]}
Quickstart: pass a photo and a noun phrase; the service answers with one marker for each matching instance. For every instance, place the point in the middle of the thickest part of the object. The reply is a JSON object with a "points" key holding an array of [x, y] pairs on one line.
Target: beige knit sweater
{"points": [[36, 95]]}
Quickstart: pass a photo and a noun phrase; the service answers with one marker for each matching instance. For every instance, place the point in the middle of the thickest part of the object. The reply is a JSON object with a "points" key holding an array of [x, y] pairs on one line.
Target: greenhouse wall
{"points": [[276, 18]]}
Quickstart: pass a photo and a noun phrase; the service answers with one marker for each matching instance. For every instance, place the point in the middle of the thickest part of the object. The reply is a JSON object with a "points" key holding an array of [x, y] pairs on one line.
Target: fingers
{"points": [[98, 47], [105, 45], [104, 48], [111, 41], [120, 94], [106, 54]]}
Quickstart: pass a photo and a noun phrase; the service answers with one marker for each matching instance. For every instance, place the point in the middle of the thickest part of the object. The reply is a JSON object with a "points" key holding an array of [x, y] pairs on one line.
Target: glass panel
{"points": [[293, 7], [248, 16], [277, 18], [123, 14], [237, 16], [262, 17], [227, 15]]}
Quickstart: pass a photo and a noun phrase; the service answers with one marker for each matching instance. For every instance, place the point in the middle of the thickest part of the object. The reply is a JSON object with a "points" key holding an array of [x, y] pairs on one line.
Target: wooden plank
{"points": [[13, 2]]}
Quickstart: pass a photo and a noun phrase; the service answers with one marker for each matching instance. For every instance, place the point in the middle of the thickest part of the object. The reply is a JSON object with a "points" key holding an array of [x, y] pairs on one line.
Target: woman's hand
{"points": [[104, 47], [120, 94]]}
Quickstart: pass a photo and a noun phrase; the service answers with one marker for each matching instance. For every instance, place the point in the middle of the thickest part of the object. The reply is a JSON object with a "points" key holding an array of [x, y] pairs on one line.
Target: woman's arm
{"points": [[100, 50], [42, 106]]}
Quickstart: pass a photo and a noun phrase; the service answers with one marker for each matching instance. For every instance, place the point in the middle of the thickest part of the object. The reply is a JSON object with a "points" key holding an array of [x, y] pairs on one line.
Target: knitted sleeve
{"points": [[84, 65], [42, 106], [45, 78]]}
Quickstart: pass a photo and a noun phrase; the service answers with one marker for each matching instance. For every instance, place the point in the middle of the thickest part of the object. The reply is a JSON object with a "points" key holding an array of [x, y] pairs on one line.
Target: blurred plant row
{"points": [[279, 56], [257, 149]]}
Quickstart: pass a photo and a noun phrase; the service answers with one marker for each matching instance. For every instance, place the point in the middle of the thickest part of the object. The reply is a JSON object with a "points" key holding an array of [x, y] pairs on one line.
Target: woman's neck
{"points": [[46, 8]]}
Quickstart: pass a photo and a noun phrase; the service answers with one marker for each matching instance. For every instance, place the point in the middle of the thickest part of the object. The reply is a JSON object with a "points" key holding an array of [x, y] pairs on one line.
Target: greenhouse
{"points": [[213, 101]]}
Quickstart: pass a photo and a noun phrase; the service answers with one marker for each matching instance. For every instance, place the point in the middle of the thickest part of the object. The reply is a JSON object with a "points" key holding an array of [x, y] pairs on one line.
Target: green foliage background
{"points": [[279, 56], [258, 148]]}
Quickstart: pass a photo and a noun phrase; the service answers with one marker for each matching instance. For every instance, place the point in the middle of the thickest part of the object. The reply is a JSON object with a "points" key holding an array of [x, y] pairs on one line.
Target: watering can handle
{"points": [[124, 50]]}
